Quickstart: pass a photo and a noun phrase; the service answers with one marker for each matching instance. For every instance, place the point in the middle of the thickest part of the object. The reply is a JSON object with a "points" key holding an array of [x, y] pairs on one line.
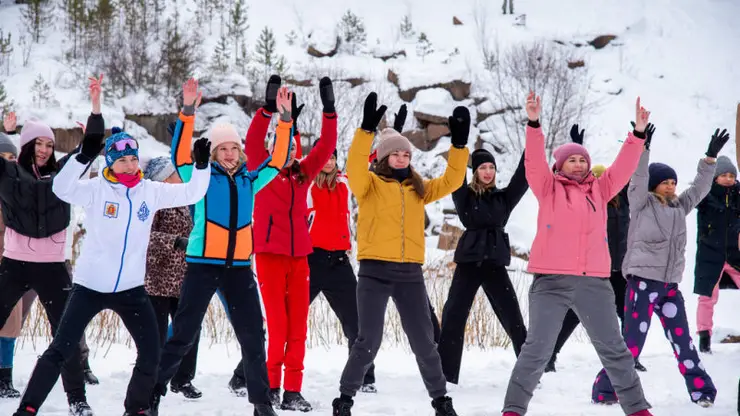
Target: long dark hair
{"points": [[383, 168], [27, 160]]}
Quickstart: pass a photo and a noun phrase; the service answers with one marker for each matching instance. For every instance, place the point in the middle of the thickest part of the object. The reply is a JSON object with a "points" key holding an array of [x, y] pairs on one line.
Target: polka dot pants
{"points": [[643, 297]]}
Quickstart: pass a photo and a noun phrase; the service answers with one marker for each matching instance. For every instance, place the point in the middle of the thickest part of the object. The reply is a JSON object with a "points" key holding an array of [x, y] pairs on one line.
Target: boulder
{"points": [[318, 54], [576, 64], [66, 140], [459, 90], [425, 118], [456, 21], [355, 82], [155, 125], [299, 83], [386, 57], [435, 131], [448, 237], [601, 41]]}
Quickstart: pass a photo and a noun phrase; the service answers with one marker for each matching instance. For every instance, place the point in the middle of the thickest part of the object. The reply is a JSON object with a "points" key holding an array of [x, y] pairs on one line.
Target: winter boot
{"points": [[88, 374], [642, 413], [342, 406], [7, 391], [705, 342], [238, 386], [550, 367], [275, 397], [368, 388], [443, 406], [187, 390], [511, 414], [25, 410], [639, 366], [157, 393], [293, 400], [80, 408], [705, 402], [147, 412], [264, 410]]}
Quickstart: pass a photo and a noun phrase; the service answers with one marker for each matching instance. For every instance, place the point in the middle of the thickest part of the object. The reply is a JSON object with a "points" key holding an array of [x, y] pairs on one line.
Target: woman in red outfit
{"points": [[282, 244]]}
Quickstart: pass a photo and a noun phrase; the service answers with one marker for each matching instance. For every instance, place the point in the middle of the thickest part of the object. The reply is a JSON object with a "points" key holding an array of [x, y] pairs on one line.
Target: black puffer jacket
{"points": [[618, 223], [718, 223], [485, 217]]}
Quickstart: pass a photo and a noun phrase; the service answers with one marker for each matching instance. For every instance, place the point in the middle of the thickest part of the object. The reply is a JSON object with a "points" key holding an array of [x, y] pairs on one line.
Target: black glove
{"points": [[295, 111], [326, 90], [271, 93], [201, 153], [181, 243], [92, 143], [717, 142], [459, 123], [575, 135], [400, 119], [372, 114], [649, 130]]}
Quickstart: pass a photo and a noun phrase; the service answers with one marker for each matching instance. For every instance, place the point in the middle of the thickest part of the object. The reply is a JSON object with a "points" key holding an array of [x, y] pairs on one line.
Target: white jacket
{"points": [[118, 221]]}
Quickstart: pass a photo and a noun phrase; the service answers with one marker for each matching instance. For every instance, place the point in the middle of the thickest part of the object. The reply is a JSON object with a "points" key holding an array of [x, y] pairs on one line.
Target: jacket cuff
{"points": [[188, 110], [82, 158], [639, 134], [534, 124]]}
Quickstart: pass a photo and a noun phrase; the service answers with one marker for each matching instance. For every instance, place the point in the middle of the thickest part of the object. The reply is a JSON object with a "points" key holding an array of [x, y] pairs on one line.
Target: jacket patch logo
{"points": [[143, 212], [111, 209]]}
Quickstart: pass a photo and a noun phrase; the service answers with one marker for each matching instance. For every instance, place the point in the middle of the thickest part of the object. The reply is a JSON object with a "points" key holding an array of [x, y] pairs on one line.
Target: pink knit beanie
{"points": [[33, 129], [391, 141], [562, 153], [223, 133]]}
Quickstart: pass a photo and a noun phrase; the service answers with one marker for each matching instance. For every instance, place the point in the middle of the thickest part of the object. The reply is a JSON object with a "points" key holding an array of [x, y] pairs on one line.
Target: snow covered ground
{"points": [[484, 378]]}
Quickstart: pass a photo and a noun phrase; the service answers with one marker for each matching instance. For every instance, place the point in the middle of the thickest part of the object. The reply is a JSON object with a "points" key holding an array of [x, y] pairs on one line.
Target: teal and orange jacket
{"points": [[222, 231]]}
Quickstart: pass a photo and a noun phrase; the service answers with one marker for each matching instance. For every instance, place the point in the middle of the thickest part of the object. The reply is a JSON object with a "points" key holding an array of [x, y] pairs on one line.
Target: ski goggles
{"points": [[121, 145]]}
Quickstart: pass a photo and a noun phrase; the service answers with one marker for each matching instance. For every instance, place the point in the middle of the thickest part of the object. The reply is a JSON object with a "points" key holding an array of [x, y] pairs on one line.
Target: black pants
{"points": [[136, 312], [372, 301], [164, 308], [468, 277], [571, 321], [52, 284], [242, 295]]}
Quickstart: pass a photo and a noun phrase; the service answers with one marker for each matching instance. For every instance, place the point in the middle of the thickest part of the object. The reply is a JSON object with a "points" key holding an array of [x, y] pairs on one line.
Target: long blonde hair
{"points": [[480, 188], [327, 179]]}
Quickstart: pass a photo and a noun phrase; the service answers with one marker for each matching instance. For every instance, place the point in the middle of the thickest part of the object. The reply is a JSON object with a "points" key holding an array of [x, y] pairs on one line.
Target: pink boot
{"points": [[517, 414], [642, 413]]}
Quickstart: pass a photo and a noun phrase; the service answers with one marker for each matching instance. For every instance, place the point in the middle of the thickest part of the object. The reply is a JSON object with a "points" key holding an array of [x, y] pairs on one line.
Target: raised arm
{"points": [[182, 135], [67, 185], [320, 154], [358, 175], [517, 185], [457, 158], [705, 173], [539, 175], [254, 145], [188, 193], [267, 171], [460, 197], [637, 192]]}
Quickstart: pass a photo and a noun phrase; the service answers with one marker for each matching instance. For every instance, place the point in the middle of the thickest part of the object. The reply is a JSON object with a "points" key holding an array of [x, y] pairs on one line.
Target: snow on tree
{"points": [[36, 17], [237, 25], [5, 102], [41, 94], [6, 51], [407, 28], [266, 53], [221, 58], [352, 31], [423, 46]]}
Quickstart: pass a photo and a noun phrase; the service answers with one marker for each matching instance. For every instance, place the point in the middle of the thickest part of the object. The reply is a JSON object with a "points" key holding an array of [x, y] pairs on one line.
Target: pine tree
{"points": [[407, 28], [41, 93], [242, 61], [5, 102], [103, 16], [423, 46], [220, 61], [291, 38], [237, 24], [266, 53], [6, 50], [177, 58], [352, 31], [36, 17]]}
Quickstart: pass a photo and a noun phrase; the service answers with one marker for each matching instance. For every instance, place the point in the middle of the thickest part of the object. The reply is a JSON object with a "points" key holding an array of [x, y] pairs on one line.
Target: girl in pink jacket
{"points": [[570, 261]]}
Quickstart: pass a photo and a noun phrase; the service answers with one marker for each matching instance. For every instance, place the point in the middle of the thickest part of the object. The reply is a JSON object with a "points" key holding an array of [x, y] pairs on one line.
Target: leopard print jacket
{"points": [[165, 266]]}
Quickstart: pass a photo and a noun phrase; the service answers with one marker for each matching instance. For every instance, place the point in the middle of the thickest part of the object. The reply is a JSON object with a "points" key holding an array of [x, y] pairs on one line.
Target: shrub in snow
{"points": [[5, 102], [424, 46], [42, 95], [36, 17], [266, 54], [352, 31], [407, 28], [221, 58]]}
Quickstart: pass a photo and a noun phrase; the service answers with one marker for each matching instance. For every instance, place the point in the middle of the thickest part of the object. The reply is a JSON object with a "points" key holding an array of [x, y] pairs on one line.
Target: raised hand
{"points": [[191, 95], [201, 153], [10, 123], [534, 106], [649, 130], [271, 92], [372, 114], [400, 119], [95, 91], [284, 103], [642, 117], [576, 136], [295, 110], [459, 123], [326, 90], [718, 141]]}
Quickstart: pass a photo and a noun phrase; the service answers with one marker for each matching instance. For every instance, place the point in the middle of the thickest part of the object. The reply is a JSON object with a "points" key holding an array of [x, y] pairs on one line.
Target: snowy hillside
{"points": [[680, 56]]}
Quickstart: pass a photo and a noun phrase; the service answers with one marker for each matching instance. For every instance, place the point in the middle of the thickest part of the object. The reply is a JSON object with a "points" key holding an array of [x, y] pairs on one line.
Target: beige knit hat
{"points": [[391, 141], [223, 133]]}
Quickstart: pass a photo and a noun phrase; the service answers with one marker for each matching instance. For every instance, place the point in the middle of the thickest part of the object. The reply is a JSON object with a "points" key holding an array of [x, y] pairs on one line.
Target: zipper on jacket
{"points": [[125, 240], [233, 217], [290, 215], [727, 220], [591, 203], [269, 229], [403, 224]]}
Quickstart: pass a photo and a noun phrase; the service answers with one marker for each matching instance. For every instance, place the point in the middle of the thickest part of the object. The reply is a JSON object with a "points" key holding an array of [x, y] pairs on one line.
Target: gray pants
{"points": [[413, 307], [592, 299]]}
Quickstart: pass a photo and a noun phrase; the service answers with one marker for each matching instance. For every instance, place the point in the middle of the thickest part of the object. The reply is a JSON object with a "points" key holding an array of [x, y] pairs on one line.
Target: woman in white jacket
{"points": [[119, 209]]}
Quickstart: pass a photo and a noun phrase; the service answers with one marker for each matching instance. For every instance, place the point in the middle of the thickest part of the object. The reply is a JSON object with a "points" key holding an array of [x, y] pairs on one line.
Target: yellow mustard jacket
{"points": [[390, 224]]}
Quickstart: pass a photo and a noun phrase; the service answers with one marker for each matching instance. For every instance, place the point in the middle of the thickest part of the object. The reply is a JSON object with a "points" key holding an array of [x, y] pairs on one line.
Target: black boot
{"points": [[550, 367], [368, 388], [705, 342], [89, 376], [147, 412], [443, 406], [7, 391], [342, 406], [187, 390], [293, 400], [238, 386], [157, 393], [25, 410], [80, 408], [639, 366], [275, 397], [264, 410]]}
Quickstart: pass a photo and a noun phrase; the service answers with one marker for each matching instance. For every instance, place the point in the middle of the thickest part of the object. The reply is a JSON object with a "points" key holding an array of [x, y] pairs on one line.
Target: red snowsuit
{"points": [[281, 244]]}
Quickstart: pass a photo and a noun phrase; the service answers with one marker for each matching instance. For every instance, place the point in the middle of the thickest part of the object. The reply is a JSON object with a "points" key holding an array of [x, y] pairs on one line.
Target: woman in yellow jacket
{"points": [[390, 230]]}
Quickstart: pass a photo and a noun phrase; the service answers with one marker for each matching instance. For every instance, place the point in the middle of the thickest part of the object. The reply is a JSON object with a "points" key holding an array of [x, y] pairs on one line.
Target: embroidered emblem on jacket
{"points": [[143, 212], [111, 209]]}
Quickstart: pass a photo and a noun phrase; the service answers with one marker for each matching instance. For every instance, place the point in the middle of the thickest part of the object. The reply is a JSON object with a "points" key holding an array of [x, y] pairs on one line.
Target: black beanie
{"points": [[482, 156], [335, 149], [658, 173]]}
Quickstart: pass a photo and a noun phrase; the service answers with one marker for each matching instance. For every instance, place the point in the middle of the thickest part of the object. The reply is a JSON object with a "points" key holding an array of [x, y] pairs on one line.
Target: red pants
{"points": [[284, 284]]}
